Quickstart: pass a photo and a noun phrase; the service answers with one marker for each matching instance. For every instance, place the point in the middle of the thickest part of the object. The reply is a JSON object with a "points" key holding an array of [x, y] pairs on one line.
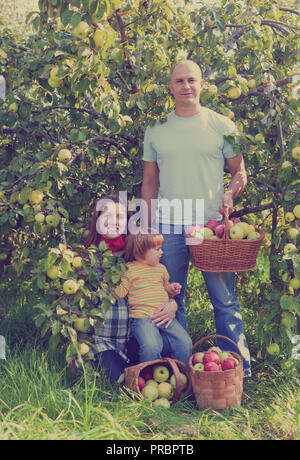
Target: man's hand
{"points": [[226, 206], [165, 314]]}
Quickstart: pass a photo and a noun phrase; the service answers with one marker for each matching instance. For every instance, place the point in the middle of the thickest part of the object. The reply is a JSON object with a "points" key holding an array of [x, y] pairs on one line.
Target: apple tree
{"points": [[81, 89]]}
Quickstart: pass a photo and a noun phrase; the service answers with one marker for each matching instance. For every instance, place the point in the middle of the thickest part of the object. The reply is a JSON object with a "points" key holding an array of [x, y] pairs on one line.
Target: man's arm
{"points": [[237, 184], [149, 190]]}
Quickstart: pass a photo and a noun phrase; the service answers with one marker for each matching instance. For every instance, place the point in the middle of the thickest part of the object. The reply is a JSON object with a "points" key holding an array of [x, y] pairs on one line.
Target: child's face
{"points": [[112, 221], [153, 255]]}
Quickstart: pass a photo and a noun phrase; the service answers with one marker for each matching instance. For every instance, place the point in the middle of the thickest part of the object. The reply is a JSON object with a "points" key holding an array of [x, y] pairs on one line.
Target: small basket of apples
{"points": [[216, 376], [162, 381], [230, 246]]}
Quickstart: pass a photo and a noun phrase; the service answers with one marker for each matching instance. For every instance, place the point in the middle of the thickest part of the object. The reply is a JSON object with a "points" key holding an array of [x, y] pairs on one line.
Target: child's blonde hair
{"points": [[137, 245]]}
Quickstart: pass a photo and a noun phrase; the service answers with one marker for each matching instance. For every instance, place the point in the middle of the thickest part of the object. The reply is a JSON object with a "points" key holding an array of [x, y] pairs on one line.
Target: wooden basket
{"points": [[174, 366], [224, 255], [217, 390]]}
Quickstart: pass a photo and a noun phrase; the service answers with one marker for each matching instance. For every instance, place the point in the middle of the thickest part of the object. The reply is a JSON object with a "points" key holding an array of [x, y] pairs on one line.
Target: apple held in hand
{"points": [[161, 373]]}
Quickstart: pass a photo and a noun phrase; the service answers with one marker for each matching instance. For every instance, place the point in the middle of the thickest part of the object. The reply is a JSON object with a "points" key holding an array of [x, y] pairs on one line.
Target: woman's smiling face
{"points": [[112, 221]]}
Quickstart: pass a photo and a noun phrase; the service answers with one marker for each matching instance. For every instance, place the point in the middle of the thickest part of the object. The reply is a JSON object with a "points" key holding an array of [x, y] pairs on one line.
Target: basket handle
{"points": [[226, 233], [176, 372], [214, 336]]}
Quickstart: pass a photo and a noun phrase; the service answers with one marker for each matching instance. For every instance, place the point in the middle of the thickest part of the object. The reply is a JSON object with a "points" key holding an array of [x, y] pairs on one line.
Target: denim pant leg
{"points": [[180, 341], [228, 319], [149, 339], [176, 259]]}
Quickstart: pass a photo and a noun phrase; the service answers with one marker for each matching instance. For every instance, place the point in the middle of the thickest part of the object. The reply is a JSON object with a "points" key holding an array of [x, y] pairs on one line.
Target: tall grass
{"points": [[38, 401]]}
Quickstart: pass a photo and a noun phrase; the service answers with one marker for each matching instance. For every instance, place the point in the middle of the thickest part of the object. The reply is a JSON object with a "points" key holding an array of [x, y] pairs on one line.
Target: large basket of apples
{"points": [[162, 381], [216, 376], [231, 246]]}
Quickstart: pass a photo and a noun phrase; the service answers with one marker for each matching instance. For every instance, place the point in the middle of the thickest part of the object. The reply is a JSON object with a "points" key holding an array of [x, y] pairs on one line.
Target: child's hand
{"points": [[175, 288]]}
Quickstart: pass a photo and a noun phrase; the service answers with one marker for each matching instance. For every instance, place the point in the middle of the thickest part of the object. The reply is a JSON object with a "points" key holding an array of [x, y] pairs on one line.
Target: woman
{"points": [[115, 348]]}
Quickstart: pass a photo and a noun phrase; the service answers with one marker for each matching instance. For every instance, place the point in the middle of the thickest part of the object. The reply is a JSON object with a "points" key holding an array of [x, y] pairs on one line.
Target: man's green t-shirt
{"points": [[190, 153]]}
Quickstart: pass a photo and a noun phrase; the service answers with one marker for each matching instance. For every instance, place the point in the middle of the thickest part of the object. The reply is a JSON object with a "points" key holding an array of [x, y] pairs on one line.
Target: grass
{"points": [[39, 402]]}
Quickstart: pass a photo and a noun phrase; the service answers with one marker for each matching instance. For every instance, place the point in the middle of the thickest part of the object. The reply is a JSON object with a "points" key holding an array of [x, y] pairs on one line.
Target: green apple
{"points": [[77, 262], [54, 83], [165, 390], [234, 92], [162, 402], [292, 233], [294, 283], [152, 382], [36, 196], [253, 235], [247, 228], [39, 217], [82, 30], [207, 232], [198, 366], [289, 248], [183, 379], [53, 272], [3, 256], [64, 155], [236, 232], [213, 89], [99, 38], [273, 349], [82, 324], [51, 221], [70, 287], [161, 373], [296, 153], [296, 211], [83, 349], [259, 137], [289, 217], [13, 107], [150, 392], [251, 83]]}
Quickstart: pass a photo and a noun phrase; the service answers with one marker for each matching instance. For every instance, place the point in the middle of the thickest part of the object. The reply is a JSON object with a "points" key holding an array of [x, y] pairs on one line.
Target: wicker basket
{"points": [[224, 255], [174, 366], [217, 390]]}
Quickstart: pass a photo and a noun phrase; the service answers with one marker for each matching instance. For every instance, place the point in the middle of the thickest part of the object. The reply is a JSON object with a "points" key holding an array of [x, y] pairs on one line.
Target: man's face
{"points": [[186, 84]]}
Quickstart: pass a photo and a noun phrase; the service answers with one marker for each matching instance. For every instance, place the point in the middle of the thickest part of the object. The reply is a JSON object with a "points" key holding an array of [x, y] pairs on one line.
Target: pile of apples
{"points": [[213, 360], [215, 230], [157, 384]]}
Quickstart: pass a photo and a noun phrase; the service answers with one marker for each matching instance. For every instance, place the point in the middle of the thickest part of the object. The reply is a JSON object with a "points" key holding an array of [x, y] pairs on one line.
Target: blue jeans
{"points": [[150, 339], [221, 291]]}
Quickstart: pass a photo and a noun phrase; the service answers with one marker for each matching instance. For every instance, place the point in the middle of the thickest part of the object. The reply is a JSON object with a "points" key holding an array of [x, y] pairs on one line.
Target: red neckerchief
{"points": [[114, 244]]}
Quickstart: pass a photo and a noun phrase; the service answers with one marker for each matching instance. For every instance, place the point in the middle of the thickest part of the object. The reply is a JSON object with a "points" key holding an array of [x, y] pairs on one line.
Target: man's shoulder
{"points": [[221, 122]]}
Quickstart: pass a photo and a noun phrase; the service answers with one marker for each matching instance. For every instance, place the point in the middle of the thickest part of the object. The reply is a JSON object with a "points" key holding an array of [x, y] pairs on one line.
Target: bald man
{"points": [[184, 161]]}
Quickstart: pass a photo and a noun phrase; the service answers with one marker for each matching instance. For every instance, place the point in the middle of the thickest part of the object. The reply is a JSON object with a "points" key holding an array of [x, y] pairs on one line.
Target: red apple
{"points": [[219, 230], [212, 224], [211, 367], [198, 357], [228, 363], [147, 374], [141, 382], [236, 220], [211, 356]]}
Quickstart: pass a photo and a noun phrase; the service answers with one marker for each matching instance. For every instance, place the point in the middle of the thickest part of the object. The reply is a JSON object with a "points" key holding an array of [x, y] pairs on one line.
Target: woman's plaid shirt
{"points": [[114, 333]]}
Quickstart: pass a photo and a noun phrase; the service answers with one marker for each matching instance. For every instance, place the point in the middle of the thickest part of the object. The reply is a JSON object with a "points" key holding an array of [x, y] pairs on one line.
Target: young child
{"points": [[146, 285]]}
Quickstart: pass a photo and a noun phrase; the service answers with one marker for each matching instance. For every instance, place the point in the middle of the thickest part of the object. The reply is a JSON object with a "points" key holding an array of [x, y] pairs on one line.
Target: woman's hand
{"points": [[165, 314]]}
